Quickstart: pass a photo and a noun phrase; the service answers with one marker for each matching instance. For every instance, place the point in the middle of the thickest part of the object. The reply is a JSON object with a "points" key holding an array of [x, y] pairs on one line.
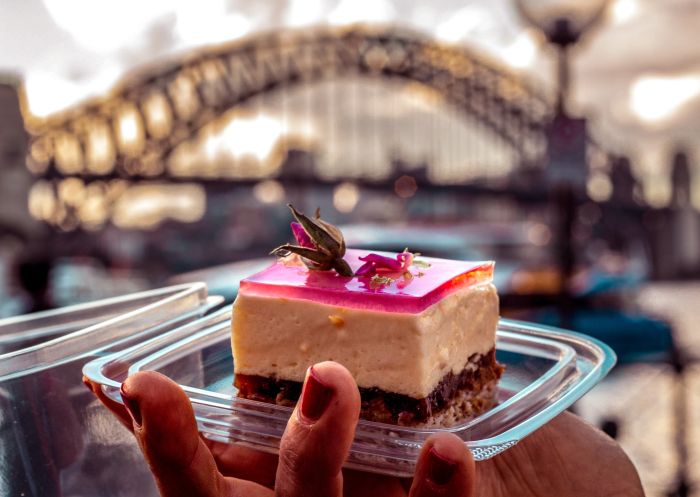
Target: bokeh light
{"points": [[405, 186], [145, 206], [655, 98], [345, 197], [269, 191], [599, 187]]}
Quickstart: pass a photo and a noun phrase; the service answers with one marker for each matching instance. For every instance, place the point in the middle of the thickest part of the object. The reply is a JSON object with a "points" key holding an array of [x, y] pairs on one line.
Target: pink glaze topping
{"points": [[410, 295]]}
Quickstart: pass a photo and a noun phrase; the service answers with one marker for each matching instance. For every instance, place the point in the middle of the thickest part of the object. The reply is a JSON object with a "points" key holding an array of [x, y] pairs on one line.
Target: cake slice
{"points": [[418, 335]]}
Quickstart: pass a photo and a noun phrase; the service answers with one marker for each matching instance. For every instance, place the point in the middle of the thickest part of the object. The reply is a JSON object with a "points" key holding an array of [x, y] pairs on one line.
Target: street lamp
{"points": [[563, 23]]}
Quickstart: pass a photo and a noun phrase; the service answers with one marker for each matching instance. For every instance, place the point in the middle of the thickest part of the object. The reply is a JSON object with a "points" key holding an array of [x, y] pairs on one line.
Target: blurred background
{"points": [[145, 143]]}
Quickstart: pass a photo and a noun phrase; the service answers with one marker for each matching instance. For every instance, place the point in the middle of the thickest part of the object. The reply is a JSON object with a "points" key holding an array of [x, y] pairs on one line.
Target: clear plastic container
{"points": [[547, 371], [55, 438]]}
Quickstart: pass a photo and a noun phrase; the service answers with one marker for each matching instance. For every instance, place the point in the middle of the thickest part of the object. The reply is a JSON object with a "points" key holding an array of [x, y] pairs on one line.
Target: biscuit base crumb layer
{"points": [[463, 407], [456, 398]]}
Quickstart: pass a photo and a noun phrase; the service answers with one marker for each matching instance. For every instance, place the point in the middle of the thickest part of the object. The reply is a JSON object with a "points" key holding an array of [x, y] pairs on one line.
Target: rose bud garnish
{"points": [[320, 245]]}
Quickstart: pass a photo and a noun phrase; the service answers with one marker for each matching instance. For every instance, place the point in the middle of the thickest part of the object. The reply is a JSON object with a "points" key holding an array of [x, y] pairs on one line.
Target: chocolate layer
{"points": [[388, 407]]}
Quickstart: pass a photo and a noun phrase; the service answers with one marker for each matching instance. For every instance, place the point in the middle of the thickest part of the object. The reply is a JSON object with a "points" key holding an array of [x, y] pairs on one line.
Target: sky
{"points": [[636, 76]]}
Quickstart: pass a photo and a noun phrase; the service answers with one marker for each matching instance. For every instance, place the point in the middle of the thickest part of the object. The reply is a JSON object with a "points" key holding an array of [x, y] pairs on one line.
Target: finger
{"points": [[362, 484], [164, 425], [319, 433], [243, 462], [231, 460], [117, 409], [445, 468]]}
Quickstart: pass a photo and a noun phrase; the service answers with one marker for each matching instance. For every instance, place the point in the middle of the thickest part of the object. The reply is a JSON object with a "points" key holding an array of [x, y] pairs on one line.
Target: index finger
{"points": [[319, 433]]}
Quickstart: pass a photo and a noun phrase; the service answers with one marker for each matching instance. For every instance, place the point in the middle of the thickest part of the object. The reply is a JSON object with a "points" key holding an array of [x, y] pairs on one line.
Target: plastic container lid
{"points": [[52, 429], [547, 370], [35, 342]]}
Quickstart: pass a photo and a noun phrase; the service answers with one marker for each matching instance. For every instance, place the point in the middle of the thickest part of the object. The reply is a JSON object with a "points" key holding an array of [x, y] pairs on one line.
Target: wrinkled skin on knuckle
{"points": [[294, 470], [303, 465]]}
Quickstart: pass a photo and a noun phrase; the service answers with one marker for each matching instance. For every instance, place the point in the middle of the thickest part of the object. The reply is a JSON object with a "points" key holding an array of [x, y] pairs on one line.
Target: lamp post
{"points": [[563, 23]]}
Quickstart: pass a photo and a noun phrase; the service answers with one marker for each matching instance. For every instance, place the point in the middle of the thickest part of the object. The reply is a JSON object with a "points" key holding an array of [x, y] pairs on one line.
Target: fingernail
{"points": [[131, 406], [440, 469], [315, 397]]}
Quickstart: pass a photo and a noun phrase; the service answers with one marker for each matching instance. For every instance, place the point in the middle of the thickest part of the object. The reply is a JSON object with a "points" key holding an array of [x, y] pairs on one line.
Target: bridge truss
{"points": [[132, 132]]}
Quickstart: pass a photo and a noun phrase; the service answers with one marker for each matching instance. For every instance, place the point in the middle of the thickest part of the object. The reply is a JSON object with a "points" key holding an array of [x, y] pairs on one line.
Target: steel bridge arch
{"points": [[133, 131]]}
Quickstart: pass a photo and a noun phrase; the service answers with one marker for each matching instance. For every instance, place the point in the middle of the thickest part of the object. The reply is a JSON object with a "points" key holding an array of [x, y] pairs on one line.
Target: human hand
{"points": [[312, 451], [565, 457]]}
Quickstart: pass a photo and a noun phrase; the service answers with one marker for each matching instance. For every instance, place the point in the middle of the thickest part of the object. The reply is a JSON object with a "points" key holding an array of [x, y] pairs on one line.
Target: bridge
{"points": [[132, 132]]}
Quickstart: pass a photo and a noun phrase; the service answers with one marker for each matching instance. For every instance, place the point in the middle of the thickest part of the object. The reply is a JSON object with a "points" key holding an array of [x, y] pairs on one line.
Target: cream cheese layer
{"points": [[396, 352]]}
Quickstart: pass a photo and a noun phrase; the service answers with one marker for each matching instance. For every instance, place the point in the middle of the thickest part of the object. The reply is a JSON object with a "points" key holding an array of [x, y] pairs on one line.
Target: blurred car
{"points": [[224, 279]]}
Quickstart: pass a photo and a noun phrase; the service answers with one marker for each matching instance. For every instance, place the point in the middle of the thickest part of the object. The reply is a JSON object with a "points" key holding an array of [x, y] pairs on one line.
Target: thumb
{"points": [[166, 430], [445, 468], [319, 434]]}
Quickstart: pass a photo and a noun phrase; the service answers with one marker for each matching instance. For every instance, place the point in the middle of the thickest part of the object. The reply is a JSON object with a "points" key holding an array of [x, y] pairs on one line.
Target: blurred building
{"points": [[22, 274], [16, 180], [625, 186], [685, 218]]}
